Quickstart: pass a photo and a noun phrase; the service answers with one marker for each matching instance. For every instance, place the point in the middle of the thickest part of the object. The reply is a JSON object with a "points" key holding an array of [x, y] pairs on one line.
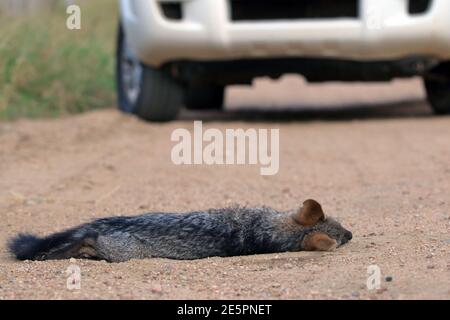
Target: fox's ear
{"points": [[318, 241], [309, 214]]}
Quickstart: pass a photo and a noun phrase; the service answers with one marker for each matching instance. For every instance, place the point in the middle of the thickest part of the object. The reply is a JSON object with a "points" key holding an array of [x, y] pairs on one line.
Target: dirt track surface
{"points": [[378, 160]]}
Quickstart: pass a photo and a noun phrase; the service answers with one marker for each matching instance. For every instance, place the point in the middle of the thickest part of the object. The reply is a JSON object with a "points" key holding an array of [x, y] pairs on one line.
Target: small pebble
{"points": [[156, 289], [276, 285], [381, 290]]}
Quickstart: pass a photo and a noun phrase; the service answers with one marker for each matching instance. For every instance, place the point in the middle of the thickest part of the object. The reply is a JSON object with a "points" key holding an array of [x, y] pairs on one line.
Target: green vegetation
{"points": [[48, 70]]}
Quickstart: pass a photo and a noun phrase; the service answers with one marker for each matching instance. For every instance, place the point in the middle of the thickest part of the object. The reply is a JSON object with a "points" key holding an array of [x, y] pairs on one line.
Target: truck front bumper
{"points": [[384, 30]]}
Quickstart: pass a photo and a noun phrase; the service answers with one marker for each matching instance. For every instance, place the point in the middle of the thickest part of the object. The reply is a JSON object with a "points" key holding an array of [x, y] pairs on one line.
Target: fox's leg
{"points": [[117, 247], [87, 250]]}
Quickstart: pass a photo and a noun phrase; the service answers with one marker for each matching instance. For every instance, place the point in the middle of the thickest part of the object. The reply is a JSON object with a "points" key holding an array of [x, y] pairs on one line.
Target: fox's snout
{"points": [[347, 237]]}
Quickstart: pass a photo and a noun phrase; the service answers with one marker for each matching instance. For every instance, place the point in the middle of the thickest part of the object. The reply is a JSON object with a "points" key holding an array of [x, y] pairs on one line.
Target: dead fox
{"points": [[223, 232]]}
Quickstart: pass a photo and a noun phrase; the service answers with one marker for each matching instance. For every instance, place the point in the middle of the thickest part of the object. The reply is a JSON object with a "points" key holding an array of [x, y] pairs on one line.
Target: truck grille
{"points": [[292, 9]]}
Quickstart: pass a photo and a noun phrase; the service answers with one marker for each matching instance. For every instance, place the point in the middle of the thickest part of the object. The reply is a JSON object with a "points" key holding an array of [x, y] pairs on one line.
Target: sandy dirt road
{"points": [[374, 156]]}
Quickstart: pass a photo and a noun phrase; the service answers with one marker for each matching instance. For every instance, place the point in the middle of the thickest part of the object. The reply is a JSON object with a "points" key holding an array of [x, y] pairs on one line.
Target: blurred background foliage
{"points": [[48, 70]]}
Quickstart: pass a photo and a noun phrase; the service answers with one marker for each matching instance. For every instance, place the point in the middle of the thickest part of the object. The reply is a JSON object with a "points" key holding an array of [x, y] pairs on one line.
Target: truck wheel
{"points": [[437, 85], [204, 97], [150, 93]]}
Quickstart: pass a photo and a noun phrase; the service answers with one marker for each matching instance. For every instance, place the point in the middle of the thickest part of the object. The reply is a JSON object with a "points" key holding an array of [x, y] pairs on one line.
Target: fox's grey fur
{"points": [[216, 232]]}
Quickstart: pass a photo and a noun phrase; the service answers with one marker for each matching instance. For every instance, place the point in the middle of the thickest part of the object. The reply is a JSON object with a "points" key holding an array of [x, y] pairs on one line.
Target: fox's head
{"points": [[322, 233]]}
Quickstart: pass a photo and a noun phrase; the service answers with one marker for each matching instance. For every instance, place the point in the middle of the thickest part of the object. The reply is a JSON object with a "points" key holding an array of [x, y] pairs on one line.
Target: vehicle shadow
{"points": [[417, 108]]}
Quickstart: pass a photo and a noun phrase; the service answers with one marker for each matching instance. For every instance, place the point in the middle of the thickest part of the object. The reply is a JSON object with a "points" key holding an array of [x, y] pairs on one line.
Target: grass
{"points": [[49, 70]]}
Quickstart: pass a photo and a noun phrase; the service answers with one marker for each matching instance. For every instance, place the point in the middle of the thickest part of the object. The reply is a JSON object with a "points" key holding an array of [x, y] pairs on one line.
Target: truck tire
{"points": [[150, 93], [437, 85], [204, 97]]}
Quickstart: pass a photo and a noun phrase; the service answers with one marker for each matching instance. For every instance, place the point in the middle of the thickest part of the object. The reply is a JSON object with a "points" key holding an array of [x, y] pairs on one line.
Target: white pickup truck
{"points": [[174, 53]]}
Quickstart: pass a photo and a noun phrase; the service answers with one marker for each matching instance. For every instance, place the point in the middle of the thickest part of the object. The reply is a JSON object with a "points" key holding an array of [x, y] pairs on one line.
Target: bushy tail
{"points": [[60, 245]]}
